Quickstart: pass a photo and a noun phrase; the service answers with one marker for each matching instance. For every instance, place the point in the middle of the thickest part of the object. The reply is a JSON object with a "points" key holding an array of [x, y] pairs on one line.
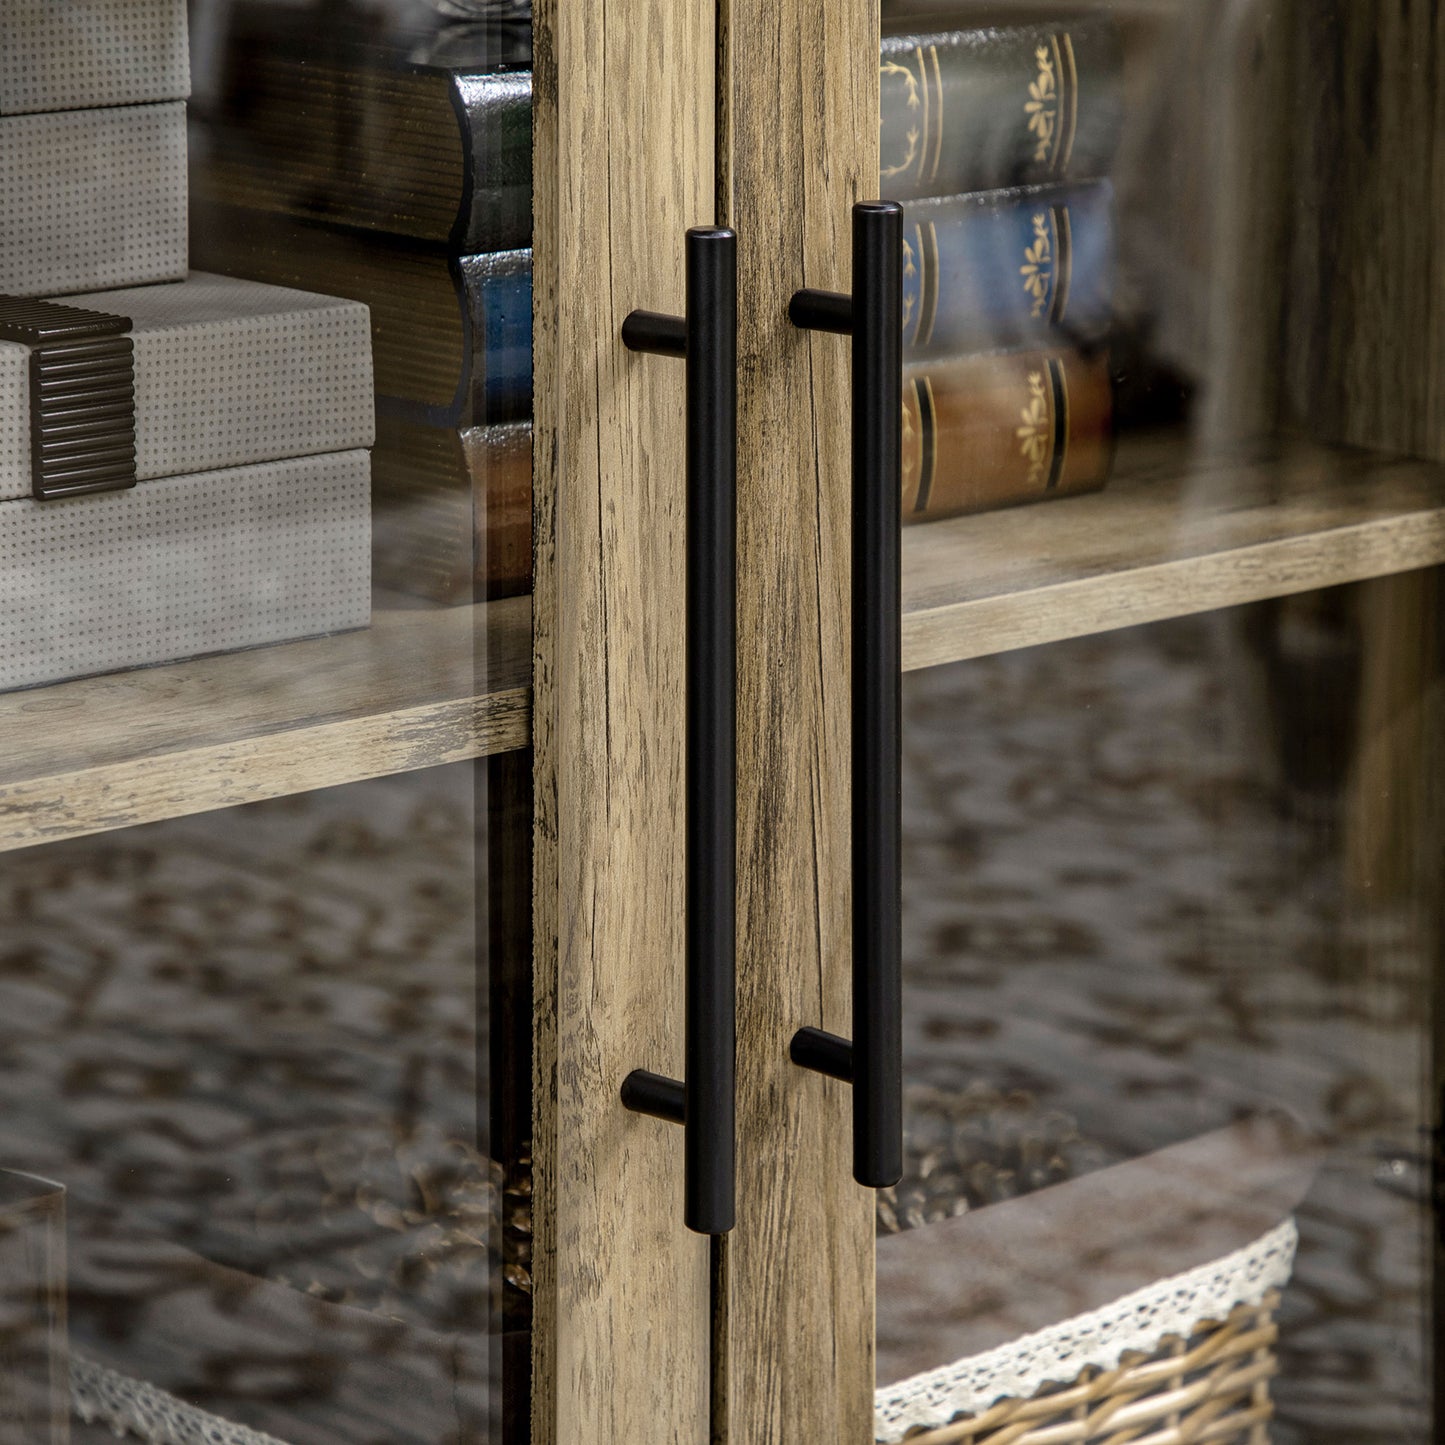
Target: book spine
{"points": [[996, 430], [499, 467], [451, 338], [428, 154], [1014, 105], [498, 286], [1007, 268], [495, 114]]}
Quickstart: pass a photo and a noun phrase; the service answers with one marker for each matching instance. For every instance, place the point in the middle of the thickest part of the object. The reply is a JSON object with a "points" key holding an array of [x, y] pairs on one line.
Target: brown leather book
{"points": [[1003, 428], [452, 510]]}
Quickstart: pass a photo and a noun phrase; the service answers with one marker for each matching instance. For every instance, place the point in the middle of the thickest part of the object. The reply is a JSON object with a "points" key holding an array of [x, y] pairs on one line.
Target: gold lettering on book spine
{"points": [[1042, 106], [929, 282], [930, 441], [1063, 263], [1052, 106], [918, 90], [1064, 422], [1038, 268], [1036, 431]]}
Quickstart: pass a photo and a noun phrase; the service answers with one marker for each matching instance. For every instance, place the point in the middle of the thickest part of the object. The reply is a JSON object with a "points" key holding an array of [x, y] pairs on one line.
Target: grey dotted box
{"points": [[92, 199], [14, 420], [183, 567], [82, 54]]}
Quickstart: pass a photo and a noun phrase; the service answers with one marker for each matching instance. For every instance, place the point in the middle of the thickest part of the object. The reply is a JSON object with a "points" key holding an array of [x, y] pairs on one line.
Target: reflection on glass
{"points": [[255, 1047], [1172, 926], [1171, 944]]}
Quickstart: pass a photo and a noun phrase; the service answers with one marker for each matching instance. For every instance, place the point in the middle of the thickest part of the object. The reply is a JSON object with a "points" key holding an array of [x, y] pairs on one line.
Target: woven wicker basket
{"points": [[1213, 1387]]}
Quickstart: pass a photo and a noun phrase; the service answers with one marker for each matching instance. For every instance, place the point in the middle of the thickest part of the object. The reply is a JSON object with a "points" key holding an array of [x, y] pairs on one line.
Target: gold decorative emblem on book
{"points": [[920, 442], [1052, 106], [910, 440], [920, 284], [1042, 106], [913, 135], [1038, 267], [912, 143], [1037, 429], [910, 275]]}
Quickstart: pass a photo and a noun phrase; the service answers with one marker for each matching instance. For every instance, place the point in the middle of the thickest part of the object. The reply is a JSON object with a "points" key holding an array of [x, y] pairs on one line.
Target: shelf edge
{"points": [[1181, 587], [268, 765]]}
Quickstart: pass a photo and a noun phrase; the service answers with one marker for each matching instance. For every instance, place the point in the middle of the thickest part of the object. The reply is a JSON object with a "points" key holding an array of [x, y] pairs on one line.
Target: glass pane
{"points": [[265, 647], [1172, 796]]}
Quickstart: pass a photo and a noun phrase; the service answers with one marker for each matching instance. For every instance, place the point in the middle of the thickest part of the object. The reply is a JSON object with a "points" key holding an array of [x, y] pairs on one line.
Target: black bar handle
{"points": [[704, 1102], [873, 1060]]}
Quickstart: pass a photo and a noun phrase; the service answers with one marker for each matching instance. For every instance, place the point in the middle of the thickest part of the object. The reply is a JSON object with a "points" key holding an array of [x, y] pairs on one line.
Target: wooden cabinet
{"points": [[1239, 637], [1169, 781]]}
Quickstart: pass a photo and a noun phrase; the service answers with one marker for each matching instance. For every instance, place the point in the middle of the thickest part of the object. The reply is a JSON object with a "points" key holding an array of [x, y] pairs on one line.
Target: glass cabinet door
{"points": [[265, 659], [1171, 779]]}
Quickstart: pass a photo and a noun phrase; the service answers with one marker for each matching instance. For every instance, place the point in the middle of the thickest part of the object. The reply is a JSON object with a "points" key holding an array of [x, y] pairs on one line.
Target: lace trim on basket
{"points": [[1137, 1322], [127, 1406]]}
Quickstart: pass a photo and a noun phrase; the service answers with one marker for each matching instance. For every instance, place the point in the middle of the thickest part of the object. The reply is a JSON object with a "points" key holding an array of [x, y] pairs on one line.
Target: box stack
{"points": [[183, 464], [998, 136]]}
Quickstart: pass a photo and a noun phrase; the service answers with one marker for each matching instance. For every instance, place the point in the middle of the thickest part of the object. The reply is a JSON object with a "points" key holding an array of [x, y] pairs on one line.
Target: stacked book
{"points": [[182, 456], [391, 162], [998, 140]]}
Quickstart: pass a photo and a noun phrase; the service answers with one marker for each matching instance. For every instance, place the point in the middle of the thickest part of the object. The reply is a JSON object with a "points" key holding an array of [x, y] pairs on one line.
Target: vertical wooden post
{"points": [[623, 162], [798, 145]]}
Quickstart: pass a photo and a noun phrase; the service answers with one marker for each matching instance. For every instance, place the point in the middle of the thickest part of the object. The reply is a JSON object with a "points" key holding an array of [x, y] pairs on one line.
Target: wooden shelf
{"points": [[428, 686], [1168, 537], [422, 686]]}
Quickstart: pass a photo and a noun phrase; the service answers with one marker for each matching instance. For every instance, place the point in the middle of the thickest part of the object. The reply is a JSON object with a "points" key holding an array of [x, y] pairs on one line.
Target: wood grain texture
{"points": [[625, 94], [419, 688], [1167, 537], [1367, 295], [800, 86]]}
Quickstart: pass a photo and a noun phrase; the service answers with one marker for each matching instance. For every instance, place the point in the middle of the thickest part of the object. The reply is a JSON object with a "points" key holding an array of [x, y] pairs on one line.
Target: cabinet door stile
{"points": [[624, 140], [798, 147]]}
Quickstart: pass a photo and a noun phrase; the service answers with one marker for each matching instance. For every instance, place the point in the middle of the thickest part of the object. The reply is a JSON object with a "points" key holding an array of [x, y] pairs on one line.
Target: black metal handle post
{"points": [[704, 1101], [873, 1061]]}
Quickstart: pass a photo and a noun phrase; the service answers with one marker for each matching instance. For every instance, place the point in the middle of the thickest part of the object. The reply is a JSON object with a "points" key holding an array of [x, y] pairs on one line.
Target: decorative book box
{"points": [[93, 199], [83, 54], [182, 471], [92, 144], [182, 466]]}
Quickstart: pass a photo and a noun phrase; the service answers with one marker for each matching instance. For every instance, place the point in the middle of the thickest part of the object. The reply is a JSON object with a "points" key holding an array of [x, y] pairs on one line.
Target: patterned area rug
{"points": [[248, 1043], [1119, 903]]}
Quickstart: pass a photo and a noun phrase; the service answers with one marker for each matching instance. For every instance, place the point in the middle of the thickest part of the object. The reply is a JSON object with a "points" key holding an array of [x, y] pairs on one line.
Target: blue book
{"points": [[1001, 268]]}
